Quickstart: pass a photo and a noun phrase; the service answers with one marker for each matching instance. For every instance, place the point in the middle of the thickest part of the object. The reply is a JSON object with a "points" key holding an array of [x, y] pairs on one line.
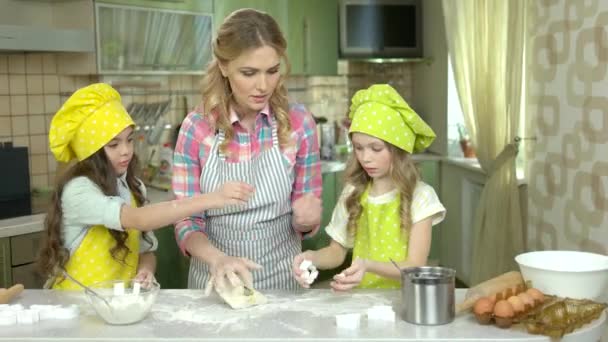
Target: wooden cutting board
{"points": [[6, 295], [500, 284]]}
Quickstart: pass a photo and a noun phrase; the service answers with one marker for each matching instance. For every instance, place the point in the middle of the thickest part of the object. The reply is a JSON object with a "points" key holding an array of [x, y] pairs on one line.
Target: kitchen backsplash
{"points": [[32, 90]]}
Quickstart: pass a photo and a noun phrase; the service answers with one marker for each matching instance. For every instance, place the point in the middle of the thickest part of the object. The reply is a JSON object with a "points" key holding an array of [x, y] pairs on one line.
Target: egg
{"points": [[503, 313], [483, 310], [526, 299], [503, 309], [517, 304], [538, 296]]}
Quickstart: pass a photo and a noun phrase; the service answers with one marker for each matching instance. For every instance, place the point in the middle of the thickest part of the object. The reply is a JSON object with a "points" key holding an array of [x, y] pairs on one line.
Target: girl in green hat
{"points": [[385, 211]]}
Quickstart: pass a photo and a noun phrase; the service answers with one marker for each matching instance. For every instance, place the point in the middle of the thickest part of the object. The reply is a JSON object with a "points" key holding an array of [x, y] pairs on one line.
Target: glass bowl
{"points": [[123, 307]]}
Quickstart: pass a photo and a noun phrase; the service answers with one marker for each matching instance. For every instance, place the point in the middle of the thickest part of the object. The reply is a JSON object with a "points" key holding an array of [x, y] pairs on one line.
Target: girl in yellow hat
{"points": [[385, 211], [97, 228]]}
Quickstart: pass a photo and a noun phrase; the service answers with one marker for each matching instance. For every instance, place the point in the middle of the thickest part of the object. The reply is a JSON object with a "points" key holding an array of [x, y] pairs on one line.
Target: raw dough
{"points": [[239, 297]]}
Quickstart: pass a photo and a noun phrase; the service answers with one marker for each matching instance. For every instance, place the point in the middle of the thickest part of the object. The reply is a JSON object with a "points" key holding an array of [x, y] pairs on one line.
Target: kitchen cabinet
{"points": [[429, 171], [18, 256], [310, 28], [312, 36], [200, 6], [171, 265]]}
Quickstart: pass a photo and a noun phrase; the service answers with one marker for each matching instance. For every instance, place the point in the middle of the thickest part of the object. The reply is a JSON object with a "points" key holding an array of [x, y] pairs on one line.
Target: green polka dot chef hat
{"points": [[87, 121], [381, 112]]}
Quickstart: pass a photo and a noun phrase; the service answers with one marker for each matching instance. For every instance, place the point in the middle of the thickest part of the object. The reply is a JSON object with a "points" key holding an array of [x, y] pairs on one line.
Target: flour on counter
{"points": [[325, 304]]}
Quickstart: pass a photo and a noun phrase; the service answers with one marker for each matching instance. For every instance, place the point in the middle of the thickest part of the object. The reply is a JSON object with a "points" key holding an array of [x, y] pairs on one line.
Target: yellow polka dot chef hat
{"points": [[87, 121], [381, 112]]}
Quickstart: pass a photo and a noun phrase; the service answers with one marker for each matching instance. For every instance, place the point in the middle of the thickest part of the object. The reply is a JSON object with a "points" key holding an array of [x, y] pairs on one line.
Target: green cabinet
{"points": [[312, 36], [5, 263], [310, 28], [171, 265], [429, 171], [199, 6]]}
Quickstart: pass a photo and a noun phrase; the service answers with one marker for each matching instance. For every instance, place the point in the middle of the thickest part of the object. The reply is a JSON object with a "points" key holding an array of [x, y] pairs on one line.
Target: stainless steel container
{"points": [[428, 295]]}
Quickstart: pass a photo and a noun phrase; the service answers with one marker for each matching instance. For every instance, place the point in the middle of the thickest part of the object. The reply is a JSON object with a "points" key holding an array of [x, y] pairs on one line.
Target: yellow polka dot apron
{"points": [[92, 261], [379, 237]]}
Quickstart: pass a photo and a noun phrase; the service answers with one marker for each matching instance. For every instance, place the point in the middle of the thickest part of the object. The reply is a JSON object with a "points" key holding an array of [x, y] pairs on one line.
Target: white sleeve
{"points": [[337, 227], [147, 242], [426, 204], [84, 204]]}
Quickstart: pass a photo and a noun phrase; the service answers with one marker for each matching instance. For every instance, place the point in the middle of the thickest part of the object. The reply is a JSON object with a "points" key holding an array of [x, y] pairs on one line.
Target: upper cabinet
{"points": [[58, 26], [143, 40], [312, 35], [310, 27]]}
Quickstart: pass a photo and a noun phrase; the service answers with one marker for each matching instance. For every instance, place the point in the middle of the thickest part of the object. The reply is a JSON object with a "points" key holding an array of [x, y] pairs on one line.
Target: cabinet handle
{"points": [[305, 44]]}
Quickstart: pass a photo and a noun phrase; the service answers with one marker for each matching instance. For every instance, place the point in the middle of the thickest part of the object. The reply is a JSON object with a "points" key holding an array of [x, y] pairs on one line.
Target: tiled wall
{"points": [[32, 89]]}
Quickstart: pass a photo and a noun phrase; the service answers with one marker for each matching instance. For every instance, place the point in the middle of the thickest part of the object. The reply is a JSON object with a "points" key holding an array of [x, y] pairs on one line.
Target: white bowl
{"points": [[571, 274], [127, 308]]}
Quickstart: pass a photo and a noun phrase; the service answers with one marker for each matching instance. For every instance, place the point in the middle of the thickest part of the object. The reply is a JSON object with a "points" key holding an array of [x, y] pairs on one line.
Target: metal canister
{"points": [[428, 295]]}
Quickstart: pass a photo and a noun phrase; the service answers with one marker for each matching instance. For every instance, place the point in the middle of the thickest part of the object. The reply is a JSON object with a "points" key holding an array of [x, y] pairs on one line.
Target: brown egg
{"points": [[503, 309], [538, 296], [503, 314], [483, 310], [483, 305], [517, 304], [527, 300]]}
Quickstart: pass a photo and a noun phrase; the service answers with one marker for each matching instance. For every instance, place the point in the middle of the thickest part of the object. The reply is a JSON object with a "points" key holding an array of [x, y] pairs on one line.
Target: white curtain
{"points": [[486, 40]]}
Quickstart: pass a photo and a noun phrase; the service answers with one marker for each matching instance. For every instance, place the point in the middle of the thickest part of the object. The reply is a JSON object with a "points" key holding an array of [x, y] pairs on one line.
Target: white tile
{"points": [[51, 84], [19, 125], [35, 104], [66, 84], [39, 164], [34, 84], [51, 103], [39, 181], [3, 64], [16, 63], [18, 105], [49, 63], [5, 105], [4, 86], [38, 144], [51, 163], [21, 141], [37, 124], [33, 63], [5, 126], [17, 85]]}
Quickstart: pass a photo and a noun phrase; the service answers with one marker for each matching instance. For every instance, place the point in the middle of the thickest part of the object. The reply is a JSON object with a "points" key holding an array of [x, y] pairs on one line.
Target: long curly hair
{"points": [[405, 176], [244, 30], [54, 254]]}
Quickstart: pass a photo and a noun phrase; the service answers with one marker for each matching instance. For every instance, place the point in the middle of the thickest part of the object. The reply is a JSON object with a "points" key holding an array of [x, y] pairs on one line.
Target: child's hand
{"points": [[297, 272], [350, 277], [232, 193], [145, 277], [306, 213]]}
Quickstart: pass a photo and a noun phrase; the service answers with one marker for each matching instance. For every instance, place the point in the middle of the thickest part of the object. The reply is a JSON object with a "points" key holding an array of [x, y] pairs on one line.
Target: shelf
{"points": [[427, 60]]}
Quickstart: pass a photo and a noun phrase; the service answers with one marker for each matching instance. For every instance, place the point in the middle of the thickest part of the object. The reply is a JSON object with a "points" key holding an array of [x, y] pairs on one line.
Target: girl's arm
{"points": [[419, 246], [161, 214], [325, 258], [146, 267]]}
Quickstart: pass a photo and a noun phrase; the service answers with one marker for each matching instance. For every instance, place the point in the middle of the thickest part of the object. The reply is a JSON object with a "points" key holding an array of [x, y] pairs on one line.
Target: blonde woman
{"points": [[245, 130], [385, 211]]}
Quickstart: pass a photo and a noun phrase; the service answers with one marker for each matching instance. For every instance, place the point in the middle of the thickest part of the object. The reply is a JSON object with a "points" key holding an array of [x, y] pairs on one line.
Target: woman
{"points": [[244, 130]]}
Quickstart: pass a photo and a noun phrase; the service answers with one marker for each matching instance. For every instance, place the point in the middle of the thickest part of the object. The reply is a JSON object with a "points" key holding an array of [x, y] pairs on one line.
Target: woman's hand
{"points": [[235, 270], [350, 277], [297, 272], [232, 193], [306, 213]]}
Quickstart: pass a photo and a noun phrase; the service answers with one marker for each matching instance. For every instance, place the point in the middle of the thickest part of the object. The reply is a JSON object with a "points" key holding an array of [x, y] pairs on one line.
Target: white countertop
{"points": [[305, 315]]}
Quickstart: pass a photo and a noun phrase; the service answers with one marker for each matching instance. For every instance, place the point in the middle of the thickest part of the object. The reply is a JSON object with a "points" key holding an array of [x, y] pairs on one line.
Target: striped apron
{"points": [[261, 230]]}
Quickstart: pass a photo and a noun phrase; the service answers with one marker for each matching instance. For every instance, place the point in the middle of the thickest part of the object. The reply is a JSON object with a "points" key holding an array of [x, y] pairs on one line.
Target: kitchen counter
{"points": [[305, 315]]}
